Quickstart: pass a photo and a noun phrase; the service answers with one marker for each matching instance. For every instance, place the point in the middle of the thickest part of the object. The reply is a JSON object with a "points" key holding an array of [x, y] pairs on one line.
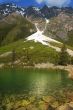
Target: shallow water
{"points": [[33, 82]]}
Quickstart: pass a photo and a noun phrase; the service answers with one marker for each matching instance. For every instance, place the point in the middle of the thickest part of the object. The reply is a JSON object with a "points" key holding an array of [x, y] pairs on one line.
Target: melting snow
{"points": [[35, 8], [39, 37], [20, 12]]}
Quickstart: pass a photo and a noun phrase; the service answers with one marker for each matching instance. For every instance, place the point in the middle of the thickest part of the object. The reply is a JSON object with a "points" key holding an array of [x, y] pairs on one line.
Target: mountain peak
{"points": [[45, 7], [44, 12]]}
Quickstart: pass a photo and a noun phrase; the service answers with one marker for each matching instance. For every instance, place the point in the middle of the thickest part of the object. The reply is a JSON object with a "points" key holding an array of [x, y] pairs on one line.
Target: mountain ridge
{"points": [[60, 26], [18, 32], [9, 8]]}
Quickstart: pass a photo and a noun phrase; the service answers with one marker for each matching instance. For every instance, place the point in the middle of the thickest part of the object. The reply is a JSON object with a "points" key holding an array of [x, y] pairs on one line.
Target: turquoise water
{"points": [[33, 81]]}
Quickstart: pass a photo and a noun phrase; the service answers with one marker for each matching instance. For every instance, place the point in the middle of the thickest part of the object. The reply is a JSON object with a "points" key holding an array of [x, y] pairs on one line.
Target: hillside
{"points": [[27, 51], [14, 27], [35, 35], [61, 28]]}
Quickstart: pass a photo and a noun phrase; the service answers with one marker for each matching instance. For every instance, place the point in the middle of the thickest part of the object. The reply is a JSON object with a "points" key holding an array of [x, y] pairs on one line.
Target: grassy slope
{"points": [[60, 45], [38, 54]]}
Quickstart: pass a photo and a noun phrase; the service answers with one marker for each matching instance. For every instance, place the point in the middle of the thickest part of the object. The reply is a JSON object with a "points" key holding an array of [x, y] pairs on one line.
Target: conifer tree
{"points": [[13, 56], [64, 56]]}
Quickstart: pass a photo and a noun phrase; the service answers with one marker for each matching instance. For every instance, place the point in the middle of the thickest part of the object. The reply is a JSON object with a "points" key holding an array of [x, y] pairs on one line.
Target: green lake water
{"points": [[34, 82]]}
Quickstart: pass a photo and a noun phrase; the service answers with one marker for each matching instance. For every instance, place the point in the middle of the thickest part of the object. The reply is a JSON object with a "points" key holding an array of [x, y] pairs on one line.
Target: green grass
{"points": [[38, 54], [29, 50], [60, 45]]}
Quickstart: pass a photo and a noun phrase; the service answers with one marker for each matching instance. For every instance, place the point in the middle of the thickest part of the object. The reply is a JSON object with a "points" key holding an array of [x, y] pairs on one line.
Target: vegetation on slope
{"points": [[35, 52], [14, 27], [70, 38], [28, 53]]}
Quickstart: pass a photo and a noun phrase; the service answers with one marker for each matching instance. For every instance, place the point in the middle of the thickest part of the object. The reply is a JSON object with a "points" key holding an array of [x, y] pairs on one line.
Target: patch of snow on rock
{"points": [[39, 37], [35, 8]]}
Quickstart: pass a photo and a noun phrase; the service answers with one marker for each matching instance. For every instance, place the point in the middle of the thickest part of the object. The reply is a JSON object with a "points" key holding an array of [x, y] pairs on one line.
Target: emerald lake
{"points": [[34, 82]]}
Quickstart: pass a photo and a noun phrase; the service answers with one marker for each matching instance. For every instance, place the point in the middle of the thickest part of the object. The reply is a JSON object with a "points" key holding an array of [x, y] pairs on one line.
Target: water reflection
{"points": [[33, 82]]}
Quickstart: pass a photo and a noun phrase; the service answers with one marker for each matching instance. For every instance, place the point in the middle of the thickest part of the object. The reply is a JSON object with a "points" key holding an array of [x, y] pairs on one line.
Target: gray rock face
{"points": [[61, 28]]}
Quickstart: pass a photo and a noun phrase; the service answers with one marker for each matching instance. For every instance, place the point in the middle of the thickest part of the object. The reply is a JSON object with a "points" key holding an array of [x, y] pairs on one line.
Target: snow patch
{"points": [[39, 37], [47, 21], [20, 12], [7, 5], [36, 9]]}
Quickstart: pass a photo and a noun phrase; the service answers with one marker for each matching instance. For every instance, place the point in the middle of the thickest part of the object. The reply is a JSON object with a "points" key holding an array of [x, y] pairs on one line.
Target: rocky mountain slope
{"points": [[61, 19], [17, 22], [8, 8], [61, 28], [47, 12]]}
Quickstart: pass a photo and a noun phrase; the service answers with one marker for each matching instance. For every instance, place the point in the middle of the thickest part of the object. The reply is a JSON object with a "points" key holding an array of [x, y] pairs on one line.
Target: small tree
{"points": [[13, 56], [64, 56]]}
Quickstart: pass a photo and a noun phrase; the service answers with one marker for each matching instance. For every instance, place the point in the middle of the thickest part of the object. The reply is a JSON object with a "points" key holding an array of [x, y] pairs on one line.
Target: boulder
{"points": [[65, 107]]}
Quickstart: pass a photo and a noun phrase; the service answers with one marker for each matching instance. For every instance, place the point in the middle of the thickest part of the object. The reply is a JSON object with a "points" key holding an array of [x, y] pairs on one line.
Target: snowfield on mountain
{"points": [[39, 37]]}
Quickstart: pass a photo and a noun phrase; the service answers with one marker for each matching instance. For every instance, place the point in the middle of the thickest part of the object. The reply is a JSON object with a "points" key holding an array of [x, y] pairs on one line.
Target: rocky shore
{"points": [[68, 68], [20, 102]]}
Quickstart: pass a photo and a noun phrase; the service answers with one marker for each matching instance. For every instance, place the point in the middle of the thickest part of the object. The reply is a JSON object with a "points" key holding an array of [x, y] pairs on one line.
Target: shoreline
{"points": [[68, 68]]}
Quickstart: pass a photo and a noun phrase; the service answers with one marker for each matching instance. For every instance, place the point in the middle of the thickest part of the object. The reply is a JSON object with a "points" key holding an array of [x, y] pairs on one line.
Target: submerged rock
{"points": [[71, 104], [42, 105], [48, 99], [32, 107], [50, 108], [22, 108], [65, 107]]}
